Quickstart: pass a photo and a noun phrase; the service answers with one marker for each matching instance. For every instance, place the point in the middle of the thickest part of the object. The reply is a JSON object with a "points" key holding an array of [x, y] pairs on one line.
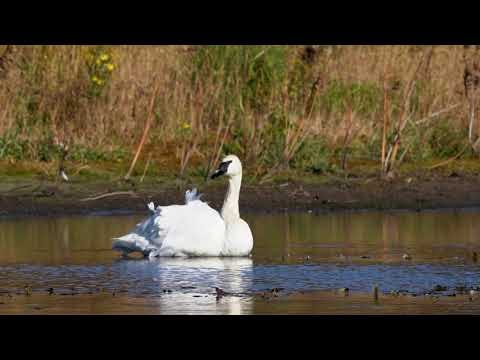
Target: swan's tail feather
{"points": [[151, 207], [131, 243], [192, 195], [141, 237]]}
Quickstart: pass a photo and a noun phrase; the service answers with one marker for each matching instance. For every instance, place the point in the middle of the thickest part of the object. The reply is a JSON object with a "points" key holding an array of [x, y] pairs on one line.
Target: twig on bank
{"points": [[77, 171], [131, 193], [19, 188], [449, 160]]}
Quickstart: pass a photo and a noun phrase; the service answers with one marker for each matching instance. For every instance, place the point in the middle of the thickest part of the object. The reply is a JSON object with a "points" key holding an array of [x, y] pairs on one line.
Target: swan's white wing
{"points": [[193, 229]]}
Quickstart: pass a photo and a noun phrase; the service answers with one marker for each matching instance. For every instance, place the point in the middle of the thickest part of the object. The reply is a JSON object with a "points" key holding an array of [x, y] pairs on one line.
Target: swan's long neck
{"points": [[230, 211]]}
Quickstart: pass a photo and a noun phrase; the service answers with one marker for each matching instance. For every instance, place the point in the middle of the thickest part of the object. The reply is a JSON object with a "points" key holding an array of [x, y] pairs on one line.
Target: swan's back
{"points": [[193, 229]]}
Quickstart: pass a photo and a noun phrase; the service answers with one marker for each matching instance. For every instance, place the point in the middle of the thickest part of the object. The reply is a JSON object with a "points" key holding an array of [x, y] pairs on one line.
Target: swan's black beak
{"points": [[216, 174], [222, 169]]}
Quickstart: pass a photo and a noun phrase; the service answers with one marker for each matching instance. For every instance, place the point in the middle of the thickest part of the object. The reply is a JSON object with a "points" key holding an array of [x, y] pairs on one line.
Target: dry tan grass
{"points": [[191, 120]]}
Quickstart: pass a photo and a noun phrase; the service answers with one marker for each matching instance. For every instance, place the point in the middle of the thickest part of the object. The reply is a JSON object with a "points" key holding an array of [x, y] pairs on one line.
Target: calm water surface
{"points": [[296, 252]]}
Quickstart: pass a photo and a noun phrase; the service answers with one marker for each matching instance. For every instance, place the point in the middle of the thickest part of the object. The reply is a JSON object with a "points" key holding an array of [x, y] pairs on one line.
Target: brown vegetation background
{"points": [[315, 109]]}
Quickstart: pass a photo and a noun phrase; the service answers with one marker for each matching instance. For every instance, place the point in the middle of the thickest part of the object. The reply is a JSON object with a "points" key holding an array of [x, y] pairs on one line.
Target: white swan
{"points": [[194, 229]]}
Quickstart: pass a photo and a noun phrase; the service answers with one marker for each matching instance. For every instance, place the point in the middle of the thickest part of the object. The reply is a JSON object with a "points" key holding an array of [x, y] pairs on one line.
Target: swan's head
{"points": [[229, 166]]}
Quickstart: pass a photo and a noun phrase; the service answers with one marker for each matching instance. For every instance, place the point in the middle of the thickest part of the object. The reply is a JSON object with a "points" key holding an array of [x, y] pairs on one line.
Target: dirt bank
{"points": [[20, 198]]}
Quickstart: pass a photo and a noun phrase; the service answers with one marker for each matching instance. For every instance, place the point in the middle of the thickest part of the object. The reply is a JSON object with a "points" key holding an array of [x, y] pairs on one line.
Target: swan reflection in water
{"points": [[192, 283]]}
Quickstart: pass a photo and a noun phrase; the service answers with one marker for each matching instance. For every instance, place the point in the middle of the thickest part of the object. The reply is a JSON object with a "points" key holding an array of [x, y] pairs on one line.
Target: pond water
{"points": [[297, 252]]}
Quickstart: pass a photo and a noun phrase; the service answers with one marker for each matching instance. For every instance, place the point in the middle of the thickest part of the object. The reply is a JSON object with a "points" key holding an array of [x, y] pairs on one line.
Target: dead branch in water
{"points": [[131, 193]]}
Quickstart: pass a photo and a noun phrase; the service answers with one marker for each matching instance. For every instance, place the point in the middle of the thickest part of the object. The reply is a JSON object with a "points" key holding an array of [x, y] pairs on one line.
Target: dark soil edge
{"points": [[416, 194]]}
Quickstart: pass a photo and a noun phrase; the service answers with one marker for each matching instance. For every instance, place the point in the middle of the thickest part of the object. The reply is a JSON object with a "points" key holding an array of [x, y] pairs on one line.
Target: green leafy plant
{"points": [[363, 98], [314, 155]]}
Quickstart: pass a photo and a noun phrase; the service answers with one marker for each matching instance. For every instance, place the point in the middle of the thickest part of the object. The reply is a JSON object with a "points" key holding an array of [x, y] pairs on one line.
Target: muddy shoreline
{"points": [[408, 193], [314, 302]]}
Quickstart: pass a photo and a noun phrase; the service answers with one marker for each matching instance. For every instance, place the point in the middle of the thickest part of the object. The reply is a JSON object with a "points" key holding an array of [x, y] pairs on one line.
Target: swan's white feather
{"points": [[193, 229], [192, 195]]}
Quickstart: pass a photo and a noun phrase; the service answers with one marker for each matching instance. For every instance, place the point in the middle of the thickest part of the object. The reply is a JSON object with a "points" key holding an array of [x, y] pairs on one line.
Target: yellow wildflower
{"points": [[186, 126], [104, 57], [98, 62], [94, 78], [110, 67]]}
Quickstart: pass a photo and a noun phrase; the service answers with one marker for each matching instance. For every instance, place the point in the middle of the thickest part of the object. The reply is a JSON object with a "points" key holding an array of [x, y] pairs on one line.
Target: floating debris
{"points": [[50, 291], [439, 288], [406, 257], [220, 293], [341, 257], [365, 257], [344, 291], [28, 290], [275, 291], [375, 293], [263, 295]]}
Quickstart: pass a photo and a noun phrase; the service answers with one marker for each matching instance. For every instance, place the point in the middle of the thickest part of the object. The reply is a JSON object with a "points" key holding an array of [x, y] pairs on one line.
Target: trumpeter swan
{"points": [[194, 229]]}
